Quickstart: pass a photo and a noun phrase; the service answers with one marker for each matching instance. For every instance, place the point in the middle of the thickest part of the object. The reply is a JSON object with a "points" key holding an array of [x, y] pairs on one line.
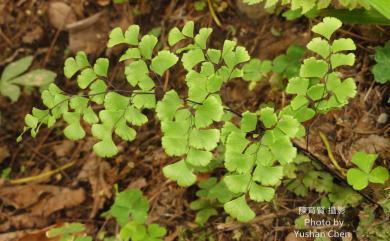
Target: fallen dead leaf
{"points": [[60, 15], [4, 153], [33, 36], [90, 34], [23, 196], [26, 235], [255, 11], [39, 201], [371, 144], [63, 148], [138, 184], [95, 171], [23, 221], [103, 2], [292, 237], [60, 199]]}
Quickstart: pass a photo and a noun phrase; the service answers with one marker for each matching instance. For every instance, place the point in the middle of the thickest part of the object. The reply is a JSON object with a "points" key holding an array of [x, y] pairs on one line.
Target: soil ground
{"points": [[84, 191]]}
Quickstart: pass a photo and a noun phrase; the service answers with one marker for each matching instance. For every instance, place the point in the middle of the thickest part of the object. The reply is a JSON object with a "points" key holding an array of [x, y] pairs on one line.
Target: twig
{"points": [[213, 15], [258, 219], [330, 153], [318, 159], [42, 175]]}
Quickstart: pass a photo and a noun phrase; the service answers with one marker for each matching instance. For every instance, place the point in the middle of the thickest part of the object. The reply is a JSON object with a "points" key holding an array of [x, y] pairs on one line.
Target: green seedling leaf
{"points": [[381, 69], [343, 44], [357, 178], [163, 61], [188, 29], [86, 77], [66, 229], [202, 37], [268, 176], [211, 110], [197, 157], [327, 27], [204, 139], [248, 122], [105, 148], [101, 67], [214, 55], [361, 176], [255, 69], [146, 46], [130, 205], [180, 173], [131, 35], [237, 183], [364, 161], [320, 47], [342, 59], [192, 58], [313, 68], [268, 117], [260, 193], [238, 208], [175, 36], [288, 64], [131, 53], [116, 37], [166, 109], [73, 131], [379, 175], [297, 86]]}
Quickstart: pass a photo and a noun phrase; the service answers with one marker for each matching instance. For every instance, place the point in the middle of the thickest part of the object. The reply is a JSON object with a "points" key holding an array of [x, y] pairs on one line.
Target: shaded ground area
{"points": [[53, 31]]}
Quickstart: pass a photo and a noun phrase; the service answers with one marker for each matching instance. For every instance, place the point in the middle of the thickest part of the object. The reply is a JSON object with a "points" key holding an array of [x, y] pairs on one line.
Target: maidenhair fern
{"points": [[130, 211], [198, 128], [306, 5]]}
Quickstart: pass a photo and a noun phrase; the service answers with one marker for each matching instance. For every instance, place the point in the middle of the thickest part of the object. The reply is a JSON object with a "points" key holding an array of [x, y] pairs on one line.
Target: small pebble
{"points": [[383, 118]]}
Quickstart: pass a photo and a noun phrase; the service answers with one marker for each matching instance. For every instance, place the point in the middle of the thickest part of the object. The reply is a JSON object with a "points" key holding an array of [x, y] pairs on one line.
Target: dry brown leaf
{"points": [[371, 144], [60, 15], [4, 153], [27, 235], [255, 11], [23, 196], [90, 34], [95, 171], [103, 2], [33, 36], [62, 198], [293, 237], [138, 183], [39, 236], [63, 148], [23, 221], [40, 201]]}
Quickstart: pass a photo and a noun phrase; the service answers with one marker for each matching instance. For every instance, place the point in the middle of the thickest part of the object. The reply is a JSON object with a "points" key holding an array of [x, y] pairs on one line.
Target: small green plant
{"points": [[304, 175], [381, 69], [69, 232], [371, 229], [200, 5], [306, 6], [130, 211], [197, 127], [14, 76], [255, 70], [359, 177], [212, 195], [287, 65]]}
